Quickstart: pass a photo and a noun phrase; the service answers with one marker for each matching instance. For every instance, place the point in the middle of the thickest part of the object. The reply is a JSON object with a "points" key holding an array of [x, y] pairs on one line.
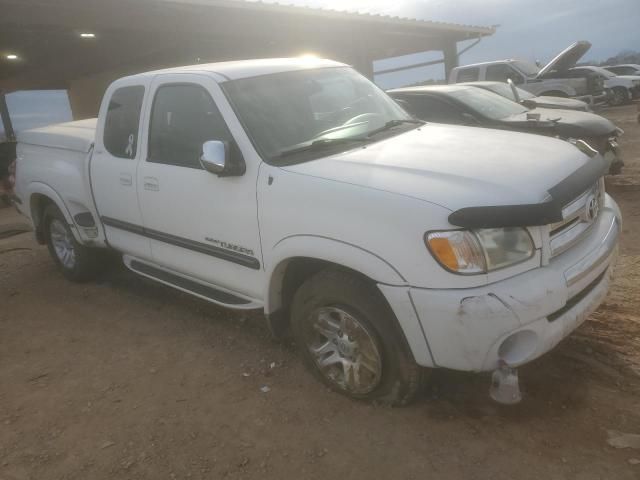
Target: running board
{"points": [[190, 286]]}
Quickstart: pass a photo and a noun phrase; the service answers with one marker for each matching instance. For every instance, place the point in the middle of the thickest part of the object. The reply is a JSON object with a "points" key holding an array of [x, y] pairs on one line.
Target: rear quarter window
{"points": [[122, 121]]}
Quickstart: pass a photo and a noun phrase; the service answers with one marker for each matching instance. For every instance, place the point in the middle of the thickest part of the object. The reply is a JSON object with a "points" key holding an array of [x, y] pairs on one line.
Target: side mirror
{"points": [[214, 156], [514, 90]]}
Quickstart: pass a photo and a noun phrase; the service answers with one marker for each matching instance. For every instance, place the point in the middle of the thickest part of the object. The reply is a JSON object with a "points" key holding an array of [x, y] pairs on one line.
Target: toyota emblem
{"points": [[592, 209]]}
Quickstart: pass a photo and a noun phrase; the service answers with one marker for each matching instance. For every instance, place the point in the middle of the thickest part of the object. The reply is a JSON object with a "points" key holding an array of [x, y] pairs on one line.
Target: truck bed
{"points": [[77, 136]]}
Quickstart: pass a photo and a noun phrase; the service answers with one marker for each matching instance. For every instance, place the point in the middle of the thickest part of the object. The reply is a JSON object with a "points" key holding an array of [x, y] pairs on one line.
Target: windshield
{"points": [[486, 103], [602, 71], [527, 68], [282, 112], [504, 90]]}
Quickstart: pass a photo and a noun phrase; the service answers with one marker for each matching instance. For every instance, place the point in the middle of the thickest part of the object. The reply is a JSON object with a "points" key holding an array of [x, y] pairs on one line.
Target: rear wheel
{"points": [[347, 337], [77, 262]]}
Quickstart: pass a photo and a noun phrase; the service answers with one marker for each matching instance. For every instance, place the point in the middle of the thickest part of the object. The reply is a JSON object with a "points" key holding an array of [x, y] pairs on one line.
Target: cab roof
{"points": [[248, 68], [430, 88]]}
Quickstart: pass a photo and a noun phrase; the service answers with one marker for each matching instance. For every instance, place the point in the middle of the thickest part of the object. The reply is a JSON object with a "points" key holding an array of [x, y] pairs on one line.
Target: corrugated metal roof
{"points": [[474, 30]]}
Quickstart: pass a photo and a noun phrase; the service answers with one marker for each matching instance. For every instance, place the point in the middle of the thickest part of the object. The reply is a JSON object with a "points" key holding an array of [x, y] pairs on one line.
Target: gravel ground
{"points": [[124, 378]]}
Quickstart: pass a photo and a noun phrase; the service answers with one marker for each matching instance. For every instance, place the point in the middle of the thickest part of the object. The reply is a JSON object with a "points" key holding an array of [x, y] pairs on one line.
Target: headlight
{"points": [[480, 251]]}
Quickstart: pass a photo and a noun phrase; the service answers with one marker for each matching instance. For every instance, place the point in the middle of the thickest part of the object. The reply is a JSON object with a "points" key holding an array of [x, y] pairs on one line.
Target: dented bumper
{"points": [[517, 319]]}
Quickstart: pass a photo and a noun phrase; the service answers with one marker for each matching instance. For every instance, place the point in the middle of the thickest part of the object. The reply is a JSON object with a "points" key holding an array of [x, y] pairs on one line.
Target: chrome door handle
{"points": [[126, 179], [151, 184]]}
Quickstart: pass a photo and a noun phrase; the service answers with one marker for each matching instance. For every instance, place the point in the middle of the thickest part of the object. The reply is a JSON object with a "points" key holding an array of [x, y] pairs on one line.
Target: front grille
{"points": [[577, 219]]}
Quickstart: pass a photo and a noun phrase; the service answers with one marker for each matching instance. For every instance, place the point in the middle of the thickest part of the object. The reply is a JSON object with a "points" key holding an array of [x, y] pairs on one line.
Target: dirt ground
{"points": [[125, 378]]}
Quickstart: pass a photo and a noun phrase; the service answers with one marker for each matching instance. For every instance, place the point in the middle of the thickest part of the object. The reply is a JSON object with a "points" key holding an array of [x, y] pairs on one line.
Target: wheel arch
{"points": [[288, 272], [306, 254], [40, 196]]}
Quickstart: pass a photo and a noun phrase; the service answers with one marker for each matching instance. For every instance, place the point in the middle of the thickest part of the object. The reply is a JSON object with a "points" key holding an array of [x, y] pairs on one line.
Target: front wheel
{"points": [[620, 96], [348, 339], [77, 262]]}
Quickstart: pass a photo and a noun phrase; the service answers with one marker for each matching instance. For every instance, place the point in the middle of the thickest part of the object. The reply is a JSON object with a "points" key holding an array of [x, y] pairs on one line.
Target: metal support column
{"points": [[450, 52], [5, 119]]}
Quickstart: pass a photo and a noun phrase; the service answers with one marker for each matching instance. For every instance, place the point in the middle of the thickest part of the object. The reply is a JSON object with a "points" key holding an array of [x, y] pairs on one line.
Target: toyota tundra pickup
{"points": [[295, 186]]}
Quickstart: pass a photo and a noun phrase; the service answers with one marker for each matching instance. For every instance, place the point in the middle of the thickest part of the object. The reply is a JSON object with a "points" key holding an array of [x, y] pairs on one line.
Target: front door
{"points": [[200, 224]]}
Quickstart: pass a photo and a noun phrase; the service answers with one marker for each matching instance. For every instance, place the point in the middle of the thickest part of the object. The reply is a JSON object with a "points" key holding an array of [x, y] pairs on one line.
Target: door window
{"points": [[502, 72], [622, 70], [183, 118], [468, 75], [122, 122]]}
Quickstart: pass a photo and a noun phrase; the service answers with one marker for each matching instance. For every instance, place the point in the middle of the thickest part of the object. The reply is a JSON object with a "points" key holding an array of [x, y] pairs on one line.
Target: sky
{"points": [[37, 108], [528, 29]]}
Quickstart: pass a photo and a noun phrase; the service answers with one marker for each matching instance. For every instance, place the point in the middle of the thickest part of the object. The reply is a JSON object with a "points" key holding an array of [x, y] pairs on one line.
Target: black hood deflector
{"points": [[534, 214]]}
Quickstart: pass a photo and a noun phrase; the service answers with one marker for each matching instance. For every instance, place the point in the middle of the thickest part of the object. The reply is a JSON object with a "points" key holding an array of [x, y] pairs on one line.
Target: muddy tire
{"points": [[349, 339], [620, 97], [76, 262]]}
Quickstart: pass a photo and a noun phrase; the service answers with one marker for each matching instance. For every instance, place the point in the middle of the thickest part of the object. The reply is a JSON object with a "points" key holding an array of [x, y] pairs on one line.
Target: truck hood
{"points": [[566, 59], [567, 123], [454, 166]]}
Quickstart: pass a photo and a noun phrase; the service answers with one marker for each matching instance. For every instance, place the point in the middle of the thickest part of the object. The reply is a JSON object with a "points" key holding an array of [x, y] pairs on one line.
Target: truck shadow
{"points": [[558, 384], [553, 385]]}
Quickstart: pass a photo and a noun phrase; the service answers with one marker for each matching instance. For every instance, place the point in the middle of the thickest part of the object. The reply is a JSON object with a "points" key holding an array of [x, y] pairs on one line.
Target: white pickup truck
{"points": [[298, 187], [554, 79]]}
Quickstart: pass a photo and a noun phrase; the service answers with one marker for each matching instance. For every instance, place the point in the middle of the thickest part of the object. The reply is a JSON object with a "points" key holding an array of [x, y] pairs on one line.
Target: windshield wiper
{"points": [[321, 144], [394, 123]]}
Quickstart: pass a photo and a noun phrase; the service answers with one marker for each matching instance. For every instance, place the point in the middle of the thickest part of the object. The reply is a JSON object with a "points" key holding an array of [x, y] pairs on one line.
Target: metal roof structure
{"points": [[82, 45], [474, 30]]}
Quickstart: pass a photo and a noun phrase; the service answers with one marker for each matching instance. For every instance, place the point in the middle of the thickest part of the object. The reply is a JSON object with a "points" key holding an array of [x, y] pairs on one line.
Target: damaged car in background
{"points": [[529, 100], [554, 79], [624, 88], [474, 106], [386, 246]]}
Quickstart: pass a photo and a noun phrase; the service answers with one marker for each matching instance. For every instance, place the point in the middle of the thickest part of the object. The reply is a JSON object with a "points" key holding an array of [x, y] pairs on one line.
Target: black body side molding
{"points": [[224, 254], [529, 215]]}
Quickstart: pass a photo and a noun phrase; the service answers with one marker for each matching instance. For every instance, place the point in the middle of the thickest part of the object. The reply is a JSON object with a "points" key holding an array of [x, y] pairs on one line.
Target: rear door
{"points": [[113, 168], [200, 224]]}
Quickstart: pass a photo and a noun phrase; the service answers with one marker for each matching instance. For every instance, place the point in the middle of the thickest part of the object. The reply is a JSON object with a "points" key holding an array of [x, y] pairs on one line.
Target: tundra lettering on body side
{"points": [[297, 187]]}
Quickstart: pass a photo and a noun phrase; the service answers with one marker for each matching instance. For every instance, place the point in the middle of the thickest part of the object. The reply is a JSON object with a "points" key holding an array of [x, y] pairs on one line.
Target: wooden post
{"points": [[6, 120], [450, 52]]}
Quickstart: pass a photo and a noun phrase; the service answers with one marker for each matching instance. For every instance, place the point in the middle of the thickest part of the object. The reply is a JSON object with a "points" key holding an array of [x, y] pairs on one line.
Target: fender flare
{"points": [[43, 189], [325, 249]]}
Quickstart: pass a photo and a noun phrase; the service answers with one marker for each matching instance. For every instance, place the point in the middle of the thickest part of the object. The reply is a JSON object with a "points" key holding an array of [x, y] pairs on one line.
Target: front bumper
{"points": [[517, 319], [598, 99]]}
